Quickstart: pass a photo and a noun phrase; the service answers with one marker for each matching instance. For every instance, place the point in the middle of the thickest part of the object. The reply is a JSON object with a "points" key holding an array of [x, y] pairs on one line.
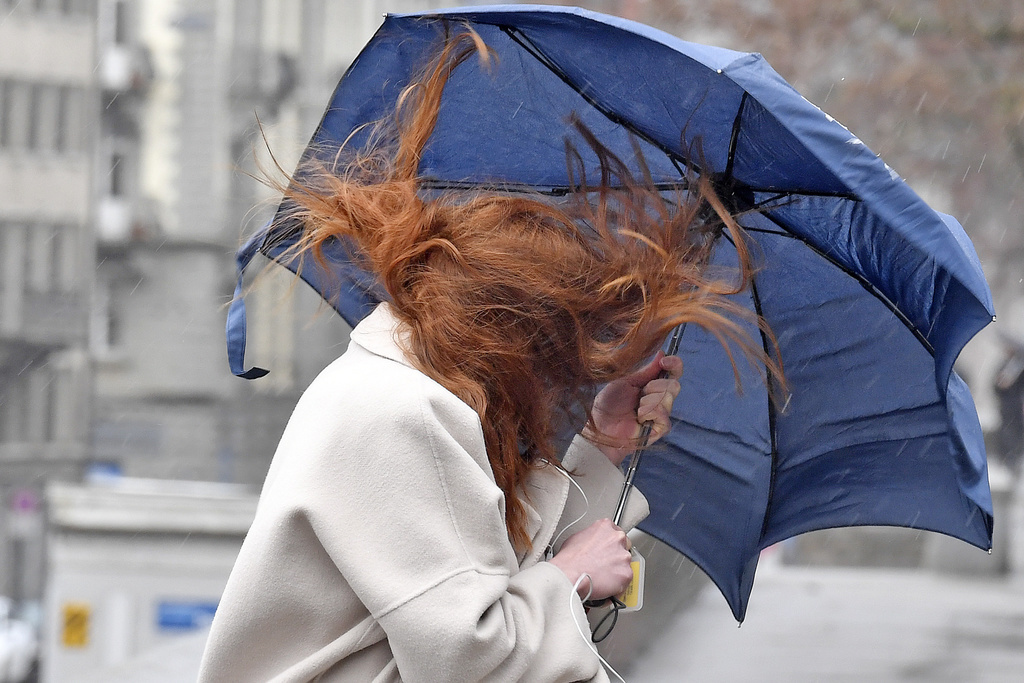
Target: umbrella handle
{"points": [[645, 434]]}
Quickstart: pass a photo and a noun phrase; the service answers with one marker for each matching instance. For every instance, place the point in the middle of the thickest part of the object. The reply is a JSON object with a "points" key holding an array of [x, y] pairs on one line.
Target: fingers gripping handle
{"points": [[645, 434]]}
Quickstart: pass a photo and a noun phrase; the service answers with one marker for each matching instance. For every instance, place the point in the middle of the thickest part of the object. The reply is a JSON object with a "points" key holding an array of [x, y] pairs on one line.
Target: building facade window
{"points": [[12, 410], [117, 175], [46, 118], [46, 259], [65, 255], [68, 8], [41, 117], [16, 115], [40, 266], [5, 104], [27, 405], [71, 124], [50, 259], [12, 276], [120, 11]]}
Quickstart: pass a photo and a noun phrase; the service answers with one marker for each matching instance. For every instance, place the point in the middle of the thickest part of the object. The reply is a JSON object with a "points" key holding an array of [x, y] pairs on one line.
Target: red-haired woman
{"points": [[416, 523]]}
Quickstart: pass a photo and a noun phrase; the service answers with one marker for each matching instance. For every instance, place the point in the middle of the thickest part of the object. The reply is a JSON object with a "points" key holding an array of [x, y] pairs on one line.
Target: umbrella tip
{"points": [[989, 551]]}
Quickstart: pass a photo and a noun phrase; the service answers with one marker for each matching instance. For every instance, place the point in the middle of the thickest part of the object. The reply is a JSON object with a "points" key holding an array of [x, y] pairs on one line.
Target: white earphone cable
{"points": [[586, 509], [583, 634]]}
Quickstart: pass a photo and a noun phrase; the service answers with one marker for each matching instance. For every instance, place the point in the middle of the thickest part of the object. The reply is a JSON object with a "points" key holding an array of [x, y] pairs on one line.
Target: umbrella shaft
{"points": [[627, 486]]}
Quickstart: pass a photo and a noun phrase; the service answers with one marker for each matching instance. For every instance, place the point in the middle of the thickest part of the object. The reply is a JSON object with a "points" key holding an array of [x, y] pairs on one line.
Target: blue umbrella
{"points": [[871, 293]]}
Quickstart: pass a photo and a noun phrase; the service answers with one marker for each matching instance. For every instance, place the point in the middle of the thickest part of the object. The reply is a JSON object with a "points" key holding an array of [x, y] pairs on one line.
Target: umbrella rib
{"points": [[772, 416], [550, 190], [774, 198], [864, 282], [765, 231], [735, 137], [800, 193]]}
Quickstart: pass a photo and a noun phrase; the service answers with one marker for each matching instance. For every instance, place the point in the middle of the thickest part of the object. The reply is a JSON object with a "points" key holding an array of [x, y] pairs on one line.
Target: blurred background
{"points": [[133, 134]]}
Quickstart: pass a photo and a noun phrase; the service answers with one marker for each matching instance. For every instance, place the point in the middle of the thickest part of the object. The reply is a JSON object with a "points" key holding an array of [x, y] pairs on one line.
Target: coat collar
{"points": [[383, 334]]}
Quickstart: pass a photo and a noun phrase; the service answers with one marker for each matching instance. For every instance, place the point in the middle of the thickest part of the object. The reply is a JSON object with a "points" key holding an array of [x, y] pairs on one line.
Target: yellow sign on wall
{"points": [[75, 631]]}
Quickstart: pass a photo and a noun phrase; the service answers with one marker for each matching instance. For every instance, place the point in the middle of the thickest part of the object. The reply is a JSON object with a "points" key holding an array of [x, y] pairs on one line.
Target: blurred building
{"points": [[195, 96], [48, 109], [129, 134], [187, 84]]}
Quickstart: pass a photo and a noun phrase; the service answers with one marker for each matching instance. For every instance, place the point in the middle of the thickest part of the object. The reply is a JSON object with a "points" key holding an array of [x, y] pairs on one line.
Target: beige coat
{"points": [[379, 550]]}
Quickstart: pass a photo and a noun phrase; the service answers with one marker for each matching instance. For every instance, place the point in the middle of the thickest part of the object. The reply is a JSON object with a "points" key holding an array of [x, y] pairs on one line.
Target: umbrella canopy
{"points": [[870, 292]]}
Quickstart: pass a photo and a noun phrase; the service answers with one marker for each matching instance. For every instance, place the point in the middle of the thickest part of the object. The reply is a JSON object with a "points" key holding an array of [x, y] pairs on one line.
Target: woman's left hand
{"points": [[624, 405]]}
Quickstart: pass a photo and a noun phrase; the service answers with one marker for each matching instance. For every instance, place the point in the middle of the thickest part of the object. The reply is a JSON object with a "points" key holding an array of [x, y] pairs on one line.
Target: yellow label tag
{"points": [[633, 596], [76, 624]]}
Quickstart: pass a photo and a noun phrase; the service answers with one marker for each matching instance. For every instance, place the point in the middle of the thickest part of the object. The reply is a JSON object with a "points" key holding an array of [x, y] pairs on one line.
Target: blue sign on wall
{"points": [[189, 615]]}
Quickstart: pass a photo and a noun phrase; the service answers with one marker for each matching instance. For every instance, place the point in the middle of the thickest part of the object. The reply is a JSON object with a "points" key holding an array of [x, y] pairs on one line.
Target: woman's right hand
{"points": [[601, 551]]}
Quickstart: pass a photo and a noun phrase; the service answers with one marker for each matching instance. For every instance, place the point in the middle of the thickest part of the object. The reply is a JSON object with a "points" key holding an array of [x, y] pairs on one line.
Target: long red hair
{"points": [[518, 305]]}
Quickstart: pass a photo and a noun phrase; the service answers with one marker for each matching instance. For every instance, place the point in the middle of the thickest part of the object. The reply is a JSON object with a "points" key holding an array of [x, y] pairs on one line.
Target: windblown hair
{"points": [[516, 304]]}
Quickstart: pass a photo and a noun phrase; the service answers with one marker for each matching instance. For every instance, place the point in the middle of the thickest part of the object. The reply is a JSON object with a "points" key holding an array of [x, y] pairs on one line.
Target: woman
{"points": [[417, 523]]}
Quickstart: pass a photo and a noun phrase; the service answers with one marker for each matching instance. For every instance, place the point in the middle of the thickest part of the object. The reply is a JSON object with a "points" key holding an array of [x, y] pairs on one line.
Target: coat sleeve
{"points": [[599, 485], [404, 505]]}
